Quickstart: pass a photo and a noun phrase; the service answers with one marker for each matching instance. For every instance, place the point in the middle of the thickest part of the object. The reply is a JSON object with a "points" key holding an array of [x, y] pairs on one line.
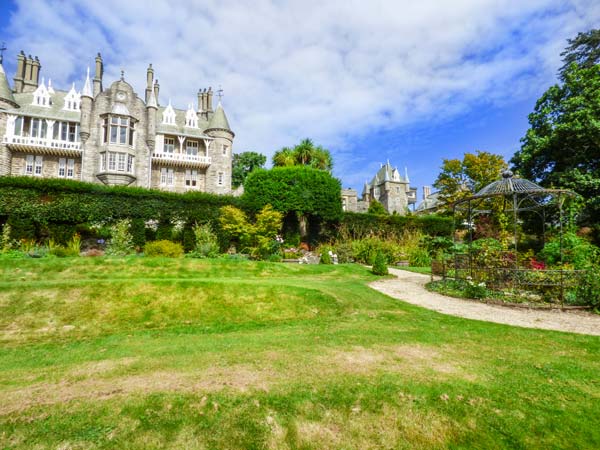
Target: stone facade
{"points": [[388, 187], [111, 135]]}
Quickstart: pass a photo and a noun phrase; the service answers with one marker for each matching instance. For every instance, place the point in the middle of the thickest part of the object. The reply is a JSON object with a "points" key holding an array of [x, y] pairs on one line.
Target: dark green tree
{"points": [[244, 163], [306, 153], [562, 146], [583, 50], [376, 208], [304, 192]]}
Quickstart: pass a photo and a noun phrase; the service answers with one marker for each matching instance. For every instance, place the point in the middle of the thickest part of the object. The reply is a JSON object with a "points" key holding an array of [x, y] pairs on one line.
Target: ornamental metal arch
{"points": [[518, 195]]}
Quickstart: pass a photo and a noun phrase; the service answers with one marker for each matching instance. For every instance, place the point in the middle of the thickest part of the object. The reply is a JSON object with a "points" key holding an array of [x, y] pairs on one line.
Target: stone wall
{"points": [[49, 166], [178, 179]]}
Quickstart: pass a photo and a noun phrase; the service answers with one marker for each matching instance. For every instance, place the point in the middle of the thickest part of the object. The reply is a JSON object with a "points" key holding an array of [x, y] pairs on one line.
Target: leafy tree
{"points": [[301, 191], [244, 163], [259, 239], [460, 179], [562, 146], [584, 51], [376, 208], [304, 154]]}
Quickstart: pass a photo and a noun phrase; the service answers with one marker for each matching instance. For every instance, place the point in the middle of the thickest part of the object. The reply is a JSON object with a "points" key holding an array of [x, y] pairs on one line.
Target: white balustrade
{"points": [[42, 142], [183, 157]]}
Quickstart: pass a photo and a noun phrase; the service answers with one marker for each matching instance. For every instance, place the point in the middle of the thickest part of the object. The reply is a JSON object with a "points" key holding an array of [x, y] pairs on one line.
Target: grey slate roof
{"points": [[179, 127], [5, 91], [430, 203], [386, 173], [219, 119], [55, 111]]}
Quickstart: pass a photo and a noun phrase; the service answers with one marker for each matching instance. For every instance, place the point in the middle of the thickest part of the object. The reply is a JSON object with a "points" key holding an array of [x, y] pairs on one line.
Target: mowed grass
{"points": [[156, 353]]}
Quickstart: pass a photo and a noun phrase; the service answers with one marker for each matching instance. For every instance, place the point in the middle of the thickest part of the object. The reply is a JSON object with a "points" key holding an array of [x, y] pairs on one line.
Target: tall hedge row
{"points": [[46, 202], [359, 225]]}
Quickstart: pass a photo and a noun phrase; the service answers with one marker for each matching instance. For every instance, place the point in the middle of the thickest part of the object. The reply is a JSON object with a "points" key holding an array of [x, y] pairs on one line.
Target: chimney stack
{"points": [[156, 89], [426, 191], [20, 75], [29, 85], [98, 75], [209, 100], [149, 82], [35, 71]]}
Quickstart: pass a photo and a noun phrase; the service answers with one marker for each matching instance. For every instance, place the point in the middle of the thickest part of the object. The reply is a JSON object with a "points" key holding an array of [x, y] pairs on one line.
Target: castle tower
{"points": [[7, 101], [218, 176]]}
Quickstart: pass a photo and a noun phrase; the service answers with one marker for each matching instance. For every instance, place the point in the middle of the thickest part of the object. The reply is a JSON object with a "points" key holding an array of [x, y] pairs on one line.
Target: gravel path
{"points": [[410, 287]]}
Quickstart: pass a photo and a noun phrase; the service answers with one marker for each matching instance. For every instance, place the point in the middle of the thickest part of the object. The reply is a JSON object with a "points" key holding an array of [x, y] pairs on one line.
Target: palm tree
{"points": [[284, 157]]}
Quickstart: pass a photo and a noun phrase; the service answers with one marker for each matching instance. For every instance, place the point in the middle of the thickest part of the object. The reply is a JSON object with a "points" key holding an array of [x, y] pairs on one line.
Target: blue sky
{"points": [[404, 81]]}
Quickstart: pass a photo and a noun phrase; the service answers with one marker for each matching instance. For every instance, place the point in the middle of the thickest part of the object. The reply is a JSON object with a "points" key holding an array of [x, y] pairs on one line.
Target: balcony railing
{"points": [[29, 141], [183, 158]]}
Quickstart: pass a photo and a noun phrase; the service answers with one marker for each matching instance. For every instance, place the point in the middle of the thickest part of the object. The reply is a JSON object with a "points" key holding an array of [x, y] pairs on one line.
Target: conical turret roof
{"points": [[219, 120], [5, 91]]}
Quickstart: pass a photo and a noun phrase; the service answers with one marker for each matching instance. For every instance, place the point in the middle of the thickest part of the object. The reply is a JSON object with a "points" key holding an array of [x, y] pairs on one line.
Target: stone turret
{"points": [[218, 176], [86, 109], [7, 100], [98, 75]]}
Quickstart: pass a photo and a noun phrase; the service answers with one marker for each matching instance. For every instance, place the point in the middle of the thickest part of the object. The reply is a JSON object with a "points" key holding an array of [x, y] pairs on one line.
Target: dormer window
{"points": [[168, 115], [41, 96], [191, 119], [72, 100]]}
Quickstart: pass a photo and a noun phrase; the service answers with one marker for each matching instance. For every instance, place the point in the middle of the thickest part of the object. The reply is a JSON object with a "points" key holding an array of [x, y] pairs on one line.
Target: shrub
{"points": [[137, 229], [121, 241], [588, 289], [260, 240], [163, 247], [344, 252], [325, 256], [380, 264], [206, 243], [72, 248], [419, 257], [576, 251], [6, 243]]}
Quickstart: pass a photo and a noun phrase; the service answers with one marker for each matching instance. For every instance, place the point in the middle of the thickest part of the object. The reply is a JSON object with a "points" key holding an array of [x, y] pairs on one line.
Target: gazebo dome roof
{"points": [[509, 185]]}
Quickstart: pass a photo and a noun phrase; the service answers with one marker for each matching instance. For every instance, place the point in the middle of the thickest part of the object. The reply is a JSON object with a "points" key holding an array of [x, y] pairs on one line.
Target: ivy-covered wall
{"points": [[31, 204], [358, 225]]}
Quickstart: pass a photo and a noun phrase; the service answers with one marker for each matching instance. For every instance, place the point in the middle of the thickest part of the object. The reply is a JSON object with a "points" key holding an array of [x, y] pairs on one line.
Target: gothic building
{"points": [[388, 187], [110, 135]]}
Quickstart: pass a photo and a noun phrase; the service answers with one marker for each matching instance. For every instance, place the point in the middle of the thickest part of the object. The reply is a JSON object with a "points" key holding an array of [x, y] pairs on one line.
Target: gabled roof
{"points": [[387, 173], [179, 127], [54, 111]]}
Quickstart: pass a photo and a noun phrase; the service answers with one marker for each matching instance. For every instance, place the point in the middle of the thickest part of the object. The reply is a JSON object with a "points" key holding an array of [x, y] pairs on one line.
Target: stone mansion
{"points": [[110, 135]]}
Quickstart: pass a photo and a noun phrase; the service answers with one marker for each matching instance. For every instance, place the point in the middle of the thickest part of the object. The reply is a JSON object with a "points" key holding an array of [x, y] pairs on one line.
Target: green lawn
{"points": [[156, 353]]}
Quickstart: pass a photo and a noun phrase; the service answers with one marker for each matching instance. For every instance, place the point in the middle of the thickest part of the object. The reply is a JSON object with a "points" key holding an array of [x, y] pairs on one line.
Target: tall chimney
{"points": [[200, 100], [28, 84], [20, 75], [426, 191], [149, 82], [35, 71], [98, 75], [209, 99], [156, 89]]}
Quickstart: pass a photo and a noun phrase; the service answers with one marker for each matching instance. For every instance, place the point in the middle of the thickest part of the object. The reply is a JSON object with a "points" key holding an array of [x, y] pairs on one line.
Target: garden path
{"points": [[410, 287]]}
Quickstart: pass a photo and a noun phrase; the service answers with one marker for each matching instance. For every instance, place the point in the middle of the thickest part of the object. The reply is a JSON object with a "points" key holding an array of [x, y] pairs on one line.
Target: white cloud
{"points": [[332, 70]]}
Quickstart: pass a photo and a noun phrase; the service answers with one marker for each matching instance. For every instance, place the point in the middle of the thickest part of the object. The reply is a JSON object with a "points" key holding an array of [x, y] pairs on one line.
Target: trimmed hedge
{"points": [[360, 225], [40, 203]]}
